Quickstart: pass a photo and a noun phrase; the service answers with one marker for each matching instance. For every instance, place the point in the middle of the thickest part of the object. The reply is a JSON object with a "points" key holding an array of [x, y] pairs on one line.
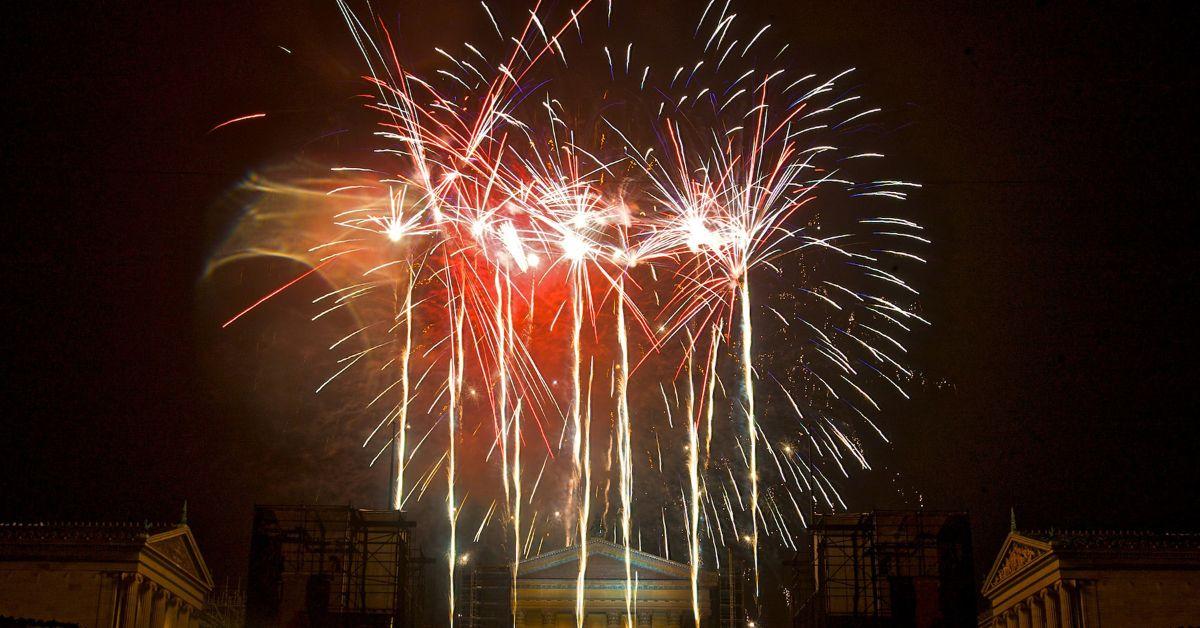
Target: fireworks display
{"points": [[558, 255]]}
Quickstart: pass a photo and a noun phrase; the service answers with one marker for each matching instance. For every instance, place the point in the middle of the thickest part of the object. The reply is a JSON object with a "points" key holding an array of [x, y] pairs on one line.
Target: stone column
{"points": [[183, 615], [129, 604], [1022, 609], [1010, 618], [171, 619], [1037, 614], [145, 603], [158, 611], [1049, 608], [1065, 610], [1087, 603]]}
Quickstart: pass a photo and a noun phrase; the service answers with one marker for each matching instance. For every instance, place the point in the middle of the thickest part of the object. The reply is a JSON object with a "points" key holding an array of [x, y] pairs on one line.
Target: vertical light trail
{"points": [[504, 322], [502, 373], [398, 496], [580, 437], [455, 380], [694, 479], [625, 448], [712, 389], [587, 497], [516, 478], [576, 356], [751, 427]]}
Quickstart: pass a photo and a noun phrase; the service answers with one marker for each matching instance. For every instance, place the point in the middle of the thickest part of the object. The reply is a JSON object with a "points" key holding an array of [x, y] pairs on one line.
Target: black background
{"points": [[1056, 142]]}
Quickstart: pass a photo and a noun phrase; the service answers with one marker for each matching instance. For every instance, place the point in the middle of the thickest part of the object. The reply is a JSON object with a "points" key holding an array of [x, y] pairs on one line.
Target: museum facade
{"points": [[1070, 579], [104, 575]]}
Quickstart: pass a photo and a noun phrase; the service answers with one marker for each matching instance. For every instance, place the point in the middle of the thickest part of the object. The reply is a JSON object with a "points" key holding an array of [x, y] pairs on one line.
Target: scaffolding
{"points": [[729, 603], [487, 590], [333, 566], [225, 607], [887, 568]]}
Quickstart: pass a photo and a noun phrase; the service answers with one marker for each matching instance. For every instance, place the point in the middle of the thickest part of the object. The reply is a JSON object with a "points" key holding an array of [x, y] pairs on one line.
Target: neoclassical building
{"points": [[1083, 579], [546, 591], [103, 575]]}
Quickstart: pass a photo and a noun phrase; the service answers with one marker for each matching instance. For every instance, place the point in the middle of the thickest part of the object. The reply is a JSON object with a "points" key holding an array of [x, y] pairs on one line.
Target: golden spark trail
{"points": [[712, 389], [585, 512], [502, 370], [398, 498], [580, 437], [454, 382], [625, 447], [516, 478], [748, 383], [505, 333], [576, 356], [694, 479]]}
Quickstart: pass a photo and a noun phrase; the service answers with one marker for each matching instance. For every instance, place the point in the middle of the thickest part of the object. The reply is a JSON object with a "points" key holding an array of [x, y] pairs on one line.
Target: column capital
{"points": [[1024, 614], [1066, 611], [173, 612]]}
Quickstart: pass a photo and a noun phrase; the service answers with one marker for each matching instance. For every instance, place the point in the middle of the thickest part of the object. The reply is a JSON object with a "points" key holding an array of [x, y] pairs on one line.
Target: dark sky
{"points": [[1056, 142]]}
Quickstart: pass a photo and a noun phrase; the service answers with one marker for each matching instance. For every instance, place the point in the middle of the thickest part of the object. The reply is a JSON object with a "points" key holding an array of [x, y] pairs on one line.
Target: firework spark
{"points": [[651, 223]]}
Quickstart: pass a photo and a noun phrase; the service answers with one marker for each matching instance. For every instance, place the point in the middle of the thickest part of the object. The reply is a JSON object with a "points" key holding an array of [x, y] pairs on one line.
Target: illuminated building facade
{"points": [[1083, 579], [546, 592], [103, 575]]}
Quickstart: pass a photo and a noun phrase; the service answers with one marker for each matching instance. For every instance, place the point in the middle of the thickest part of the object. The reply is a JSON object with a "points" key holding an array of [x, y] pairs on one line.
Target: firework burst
{"points": [[520, 234]]}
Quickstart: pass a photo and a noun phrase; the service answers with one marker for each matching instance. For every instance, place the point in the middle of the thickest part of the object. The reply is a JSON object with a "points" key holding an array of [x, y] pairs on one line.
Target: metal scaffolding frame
{"points": [[487, 590], [335, 566], [886, 568], [729, 603]]}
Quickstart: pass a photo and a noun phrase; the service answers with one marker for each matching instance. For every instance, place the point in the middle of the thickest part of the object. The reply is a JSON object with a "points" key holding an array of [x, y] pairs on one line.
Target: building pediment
{"points": [[606, 560], [1016, 556], [178, 548]]}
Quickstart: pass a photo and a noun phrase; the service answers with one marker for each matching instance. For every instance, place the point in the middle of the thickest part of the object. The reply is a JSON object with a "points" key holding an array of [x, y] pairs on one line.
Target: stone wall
{"points": [[1149, 598], [63, 593]]}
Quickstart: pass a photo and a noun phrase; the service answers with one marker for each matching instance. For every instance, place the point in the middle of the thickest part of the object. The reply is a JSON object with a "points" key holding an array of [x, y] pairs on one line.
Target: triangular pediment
{"points": [[178, 547], [1016, 556], [606, 560]]}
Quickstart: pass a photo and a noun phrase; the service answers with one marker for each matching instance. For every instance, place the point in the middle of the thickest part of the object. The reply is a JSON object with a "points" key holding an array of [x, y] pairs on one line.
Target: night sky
{"points": [[1056, 143]]}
